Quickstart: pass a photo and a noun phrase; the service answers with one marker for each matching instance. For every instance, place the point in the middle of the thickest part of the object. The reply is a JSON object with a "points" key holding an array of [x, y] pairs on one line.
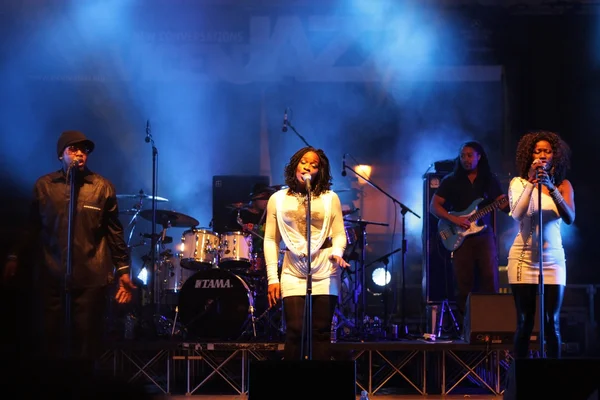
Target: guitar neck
{"points": [[480, 213]]}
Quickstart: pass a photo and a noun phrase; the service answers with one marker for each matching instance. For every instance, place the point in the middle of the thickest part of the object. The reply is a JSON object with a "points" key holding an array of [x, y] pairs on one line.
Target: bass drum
{"points": [[215, 304]]}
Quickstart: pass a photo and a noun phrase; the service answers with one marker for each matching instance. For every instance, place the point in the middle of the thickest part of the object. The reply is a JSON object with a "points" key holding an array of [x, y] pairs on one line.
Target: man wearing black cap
{"points": [[99, 252]]}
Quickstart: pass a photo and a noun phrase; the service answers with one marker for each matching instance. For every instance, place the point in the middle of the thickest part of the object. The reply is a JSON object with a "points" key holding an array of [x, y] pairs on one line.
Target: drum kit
{"points": [[207, 285]]}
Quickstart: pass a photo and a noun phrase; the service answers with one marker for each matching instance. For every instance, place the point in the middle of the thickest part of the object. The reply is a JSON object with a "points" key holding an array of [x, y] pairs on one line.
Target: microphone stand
{"points": [[71, 172], [299, 135], [541, 276], [153, 241], [403, 210], [306, 352]]}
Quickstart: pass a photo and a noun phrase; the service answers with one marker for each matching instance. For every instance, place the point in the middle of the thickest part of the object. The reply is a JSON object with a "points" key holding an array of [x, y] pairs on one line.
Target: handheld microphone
{"points": [[285, 121], [75, 163], [344, 165], [148, 131], [307, 179]]}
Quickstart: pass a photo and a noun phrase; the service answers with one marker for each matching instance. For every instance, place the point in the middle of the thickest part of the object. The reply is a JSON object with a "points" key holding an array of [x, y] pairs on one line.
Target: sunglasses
{"points": [[73, 149]]}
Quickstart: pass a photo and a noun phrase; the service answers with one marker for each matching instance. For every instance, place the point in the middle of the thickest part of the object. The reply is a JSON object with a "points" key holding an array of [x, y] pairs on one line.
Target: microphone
{"points": [[147, 131], [307, 179], [75, 163], [344, 165], [285, 121], [541, 166]]}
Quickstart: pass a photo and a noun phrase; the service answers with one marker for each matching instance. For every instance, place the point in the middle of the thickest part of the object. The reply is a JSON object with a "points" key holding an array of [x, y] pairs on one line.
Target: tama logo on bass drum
{"points": [[213, 284]]}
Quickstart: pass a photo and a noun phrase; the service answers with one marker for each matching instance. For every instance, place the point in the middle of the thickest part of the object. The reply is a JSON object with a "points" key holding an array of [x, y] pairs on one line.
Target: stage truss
{"points": [[401, 367]]}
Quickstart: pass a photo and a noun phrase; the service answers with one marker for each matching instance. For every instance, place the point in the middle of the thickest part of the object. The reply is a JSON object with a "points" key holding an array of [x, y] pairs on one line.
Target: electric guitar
{"points": [[453, 235]]}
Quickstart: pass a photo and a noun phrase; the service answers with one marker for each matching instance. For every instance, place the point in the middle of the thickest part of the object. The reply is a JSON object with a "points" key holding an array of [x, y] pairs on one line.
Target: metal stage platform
{"points": [[413, 367]]}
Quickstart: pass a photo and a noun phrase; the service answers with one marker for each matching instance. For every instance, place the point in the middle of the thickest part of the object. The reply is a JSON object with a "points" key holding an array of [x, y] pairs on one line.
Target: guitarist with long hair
{"points": [[467, 232]]}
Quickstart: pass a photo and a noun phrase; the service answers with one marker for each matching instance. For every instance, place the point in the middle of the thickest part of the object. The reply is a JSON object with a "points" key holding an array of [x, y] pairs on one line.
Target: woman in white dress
{"points": [[286, 221], [542, 160]]}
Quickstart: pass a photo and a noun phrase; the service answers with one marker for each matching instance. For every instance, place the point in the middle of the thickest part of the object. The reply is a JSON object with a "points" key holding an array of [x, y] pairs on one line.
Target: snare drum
{"points": [[215, 304], [199, 249], [235, 251]]}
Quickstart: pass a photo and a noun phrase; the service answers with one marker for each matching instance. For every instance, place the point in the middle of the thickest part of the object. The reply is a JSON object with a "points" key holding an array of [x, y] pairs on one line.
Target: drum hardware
{"points": [[167, 327], [269, 325], [165, 240]]}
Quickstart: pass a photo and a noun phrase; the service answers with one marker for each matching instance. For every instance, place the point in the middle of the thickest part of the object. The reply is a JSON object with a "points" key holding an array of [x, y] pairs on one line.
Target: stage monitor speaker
{"points": [[492, 319], [547, 378], [228, 189], [276, 380], [438, 276]]}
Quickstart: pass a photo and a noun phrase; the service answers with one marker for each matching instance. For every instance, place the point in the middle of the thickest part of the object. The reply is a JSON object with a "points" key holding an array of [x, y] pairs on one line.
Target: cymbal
{"points": [[238, 206], [173, 218], [278, 187], [140, 196]]}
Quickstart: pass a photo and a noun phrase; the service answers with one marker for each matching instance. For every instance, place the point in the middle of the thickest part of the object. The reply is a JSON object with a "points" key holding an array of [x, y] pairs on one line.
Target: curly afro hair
{"points": [[561, 157], [322, 181]]}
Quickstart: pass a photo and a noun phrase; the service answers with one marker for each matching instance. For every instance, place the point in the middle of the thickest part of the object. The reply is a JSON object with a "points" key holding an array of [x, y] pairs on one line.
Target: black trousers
{"points": [[525, 296], [88, 311], [476, 257], [323, 307]]}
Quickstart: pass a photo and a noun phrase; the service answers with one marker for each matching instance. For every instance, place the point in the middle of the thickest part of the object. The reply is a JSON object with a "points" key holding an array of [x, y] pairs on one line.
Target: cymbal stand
{"points": [[385, 260], [403, 211], [362, 282], [133, 221]]}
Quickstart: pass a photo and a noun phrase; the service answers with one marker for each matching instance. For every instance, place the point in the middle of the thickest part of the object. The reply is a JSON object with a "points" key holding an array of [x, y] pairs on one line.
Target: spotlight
{"points": [[143, 275], [380, 276], [363, 170]]}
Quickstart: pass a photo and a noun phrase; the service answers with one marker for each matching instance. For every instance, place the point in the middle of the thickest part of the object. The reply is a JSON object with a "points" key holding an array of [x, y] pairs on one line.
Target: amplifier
{"points": [[492, 319]]}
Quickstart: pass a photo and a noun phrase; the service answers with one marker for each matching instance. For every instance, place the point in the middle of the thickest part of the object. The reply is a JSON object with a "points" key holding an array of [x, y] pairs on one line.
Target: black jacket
{"points": [[99, 247]]}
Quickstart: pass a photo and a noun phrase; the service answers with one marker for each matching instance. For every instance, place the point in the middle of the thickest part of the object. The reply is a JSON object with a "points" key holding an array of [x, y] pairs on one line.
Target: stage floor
{"points": [[382, 397]]}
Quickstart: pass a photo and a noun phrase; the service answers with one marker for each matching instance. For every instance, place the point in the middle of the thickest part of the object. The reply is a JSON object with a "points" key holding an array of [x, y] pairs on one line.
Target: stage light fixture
{"points": [[381, 277]]}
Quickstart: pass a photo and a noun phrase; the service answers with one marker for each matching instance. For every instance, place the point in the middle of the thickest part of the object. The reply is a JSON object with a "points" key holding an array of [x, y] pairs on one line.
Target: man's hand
{"points": [[463, 221], [10, 269], [126, 287]]}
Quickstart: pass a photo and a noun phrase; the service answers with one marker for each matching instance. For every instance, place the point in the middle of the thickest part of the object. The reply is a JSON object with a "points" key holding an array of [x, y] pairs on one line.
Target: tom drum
{"points": [[199, 249]]}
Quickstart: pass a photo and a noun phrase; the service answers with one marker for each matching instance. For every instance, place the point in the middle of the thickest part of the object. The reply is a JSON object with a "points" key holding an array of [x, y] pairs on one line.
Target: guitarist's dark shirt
{"points": [[459, 193]]}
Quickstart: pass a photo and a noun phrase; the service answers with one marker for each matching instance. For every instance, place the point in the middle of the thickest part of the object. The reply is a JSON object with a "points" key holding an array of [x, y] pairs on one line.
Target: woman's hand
{"points": [[339, 261], [273, 294], [537, 166], [539, 174], [545, 180]]}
